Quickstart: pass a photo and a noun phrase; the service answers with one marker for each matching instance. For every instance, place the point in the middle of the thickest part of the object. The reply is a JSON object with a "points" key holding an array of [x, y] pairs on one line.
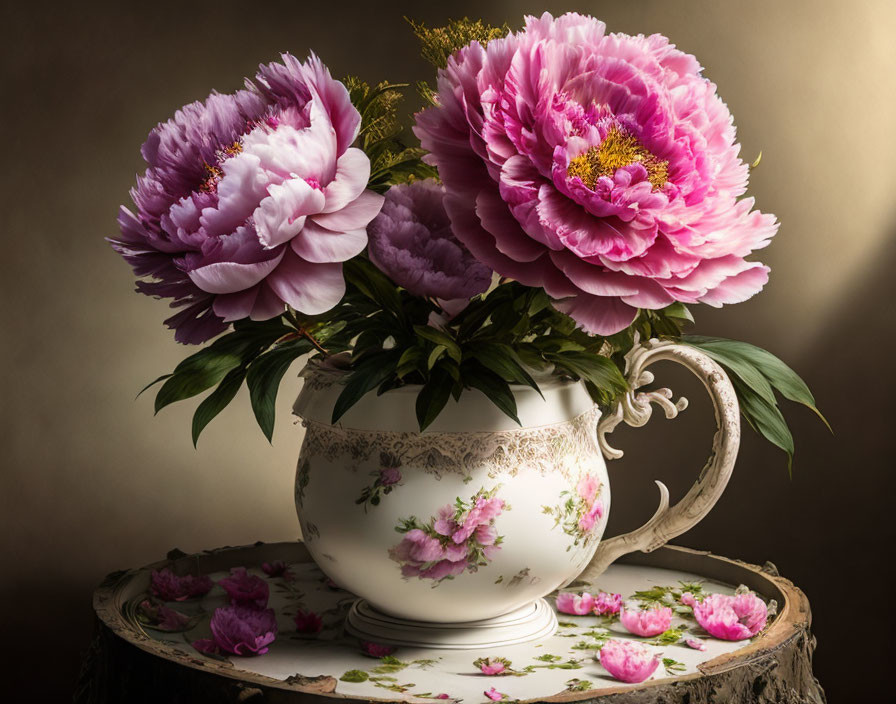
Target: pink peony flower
{"points": [[688, 599], [628, 661], [277, 569], [308, 622], [602, 167], [695, 643], [162, 618], [606, 603], [241, 630], [731, 617], [587, 488], [245, 589], [569, 603], [376, 650], [251, 202], [647, 623], [390, 476], [169, 587], [495, 695], [492, 666], [412, 242]]}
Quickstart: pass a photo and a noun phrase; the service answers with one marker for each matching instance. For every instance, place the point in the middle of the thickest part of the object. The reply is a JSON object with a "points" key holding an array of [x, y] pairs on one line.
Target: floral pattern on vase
{"points": [[388, 477], [303, 475], [580, 511], [460, 538]]}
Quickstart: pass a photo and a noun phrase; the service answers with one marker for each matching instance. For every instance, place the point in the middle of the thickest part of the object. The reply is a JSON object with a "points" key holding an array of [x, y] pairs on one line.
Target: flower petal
{"points": [[352, 174], [309, 288], [319, 245], [230, 277], [280, 216], [355, 215]]}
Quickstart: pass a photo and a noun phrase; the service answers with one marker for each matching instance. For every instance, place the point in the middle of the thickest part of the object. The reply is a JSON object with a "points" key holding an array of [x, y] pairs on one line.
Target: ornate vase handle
{"points": [[635, 409]]}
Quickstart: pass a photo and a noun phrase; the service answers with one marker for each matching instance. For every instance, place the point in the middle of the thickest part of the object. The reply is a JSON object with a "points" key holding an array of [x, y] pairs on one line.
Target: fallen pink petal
{"points": [[695, 643], [245, 589], [647, 622], [688, 599], [628, 661], [162, 618], [732, 617], [495, 695], [577, 605], [376, 650], [308, 622], [206, 645], [492, 666], [242, 630], [277, 569], [170, 587], [606, 603]]}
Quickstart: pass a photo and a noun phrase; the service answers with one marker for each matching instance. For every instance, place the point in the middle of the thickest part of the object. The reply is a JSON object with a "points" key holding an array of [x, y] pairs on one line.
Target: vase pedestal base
{"points": [[529, 622]]}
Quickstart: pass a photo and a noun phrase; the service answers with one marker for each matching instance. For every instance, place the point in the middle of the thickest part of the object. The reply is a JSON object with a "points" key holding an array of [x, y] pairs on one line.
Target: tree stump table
{"points": [[133, 661]]}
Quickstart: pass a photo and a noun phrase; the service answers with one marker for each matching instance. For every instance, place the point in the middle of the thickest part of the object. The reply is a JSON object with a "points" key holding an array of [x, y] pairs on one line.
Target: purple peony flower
{"points": [[240, 630], [245, 589], [412, 242], [170, 587], [602, 167], [251, 202]]}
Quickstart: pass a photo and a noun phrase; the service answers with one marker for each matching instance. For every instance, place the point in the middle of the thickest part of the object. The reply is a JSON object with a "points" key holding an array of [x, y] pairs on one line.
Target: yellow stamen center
{"points": [[214, 173], [619, 148]]}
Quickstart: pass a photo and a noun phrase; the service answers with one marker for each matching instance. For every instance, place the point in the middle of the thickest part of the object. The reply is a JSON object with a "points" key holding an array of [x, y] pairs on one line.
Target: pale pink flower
{"points": [[389, 476], [587, 487], [646, 623], [594, 513], [569, 603], [695, 643], [606, 603], [170, 587], [376, 650], [688, 599], [495, 695], [732, 617], [308, 621], [492, 666], [245, 589], [627, 660]]}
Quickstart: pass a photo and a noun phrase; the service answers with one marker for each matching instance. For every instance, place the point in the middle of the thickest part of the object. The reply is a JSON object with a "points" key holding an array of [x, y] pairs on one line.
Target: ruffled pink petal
{"points": [[309, 288], [281, 216], [352, 174], [235, 306], [353, 216], [230, 277], [319, 245], [598, 315]]}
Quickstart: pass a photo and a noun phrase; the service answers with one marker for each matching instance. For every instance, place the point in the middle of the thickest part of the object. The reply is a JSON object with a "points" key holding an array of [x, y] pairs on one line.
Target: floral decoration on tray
{"points": [[574, 191], [632, 638]]}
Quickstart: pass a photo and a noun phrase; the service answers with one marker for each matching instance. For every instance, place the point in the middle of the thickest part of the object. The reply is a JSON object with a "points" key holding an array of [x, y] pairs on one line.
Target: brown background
{"points": [[91, 482]]}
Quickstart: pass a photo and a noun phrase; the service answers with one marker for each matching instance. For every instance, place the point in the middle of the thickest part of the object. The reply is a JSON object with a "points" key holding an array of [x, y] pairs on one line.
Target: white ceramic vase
{"points": [[452, 536]]}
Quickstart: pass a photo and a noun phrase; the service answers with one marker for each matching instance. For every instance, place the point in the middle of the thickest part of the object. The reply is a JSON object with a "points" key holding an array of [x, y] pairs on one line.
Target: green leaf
{"points": [[765, 419], [493, 386], [433, 397], [409, 361], [206, 369], [363, 275], [503, 361], [152, 383], [779, 375], [217, 400], [599, 370], [434, 356], [370, 373], [263, 380], [678, 311], [440, 337]]}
